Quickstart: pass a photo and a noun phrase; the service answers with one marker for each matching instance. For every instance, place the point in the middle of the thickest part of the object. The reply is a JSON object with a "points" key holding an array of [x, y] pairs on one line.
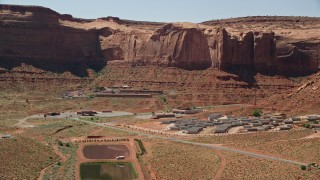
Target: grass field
{"points": [[244, 167], [24, 158], [180, 161], [64, 170], [48, 129], [303, 150]]}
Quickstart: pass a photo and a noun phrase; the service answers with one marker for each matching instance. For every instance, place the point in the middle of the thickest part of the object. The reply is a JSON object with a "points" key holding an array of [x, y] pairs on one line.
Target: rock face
{"points": [[34, 35], [44, 38], [300, 58], [169, 45], [176, 46], [251, 50], [233, 51]]}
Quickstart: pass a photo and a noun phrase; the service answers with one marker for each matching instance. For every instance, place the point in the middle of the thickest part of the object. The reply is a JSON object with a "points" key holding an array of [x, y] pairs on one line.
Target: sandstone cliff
{"points": [[279, 45], [34, 35], [176, 46], [44, 38]]}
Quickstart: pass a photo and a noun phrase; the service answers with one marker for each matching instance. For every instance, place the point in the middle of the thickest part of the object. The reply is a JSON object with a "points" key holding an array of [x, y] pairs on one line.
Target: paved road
{"points": [[267, 157]]}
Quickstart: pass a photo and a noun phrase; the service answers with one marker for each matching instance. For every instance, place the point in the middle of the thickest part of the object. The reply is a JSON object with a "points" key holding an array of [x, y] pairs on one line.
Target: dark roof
{"points": [[285, 127], [288, 121], [257, 124], [214, 115], [296, 118], [252, 129], [193, 130], [313, 118], [222, 128]]}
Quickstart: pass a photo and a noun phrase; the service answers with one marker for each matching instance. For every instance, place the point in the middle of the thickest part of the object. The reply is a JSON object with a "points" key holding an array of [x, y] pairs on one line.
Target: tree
{"points": [[303, 167], [257, 113]]}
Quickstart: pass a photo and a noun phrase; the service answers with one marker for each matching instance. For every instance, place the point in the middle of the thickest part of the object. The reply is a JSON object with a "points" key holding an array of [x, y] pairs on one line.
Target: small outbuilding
{"points": [[252, 129], [193, 130], [87, 113], [288, 121], [6, 136], [163, 115], [285, 127], [222, 128], [313, 118], [214, 116]]}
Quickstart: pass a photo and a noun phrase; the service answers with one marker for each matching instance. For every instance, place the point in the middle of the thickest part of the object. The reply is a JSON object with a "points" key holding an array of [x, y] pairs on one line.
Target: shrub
{"points": [[99, 88], [143, 149], [303, 167], [257, 113], [307, 125], [90, 96], [164, 99]]}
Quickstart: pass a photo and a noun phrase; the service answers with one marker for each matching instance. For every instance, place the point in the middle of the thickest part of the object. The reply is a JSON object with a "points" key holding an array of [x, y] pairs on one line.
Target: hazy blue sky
{"points": [[177, 10]]}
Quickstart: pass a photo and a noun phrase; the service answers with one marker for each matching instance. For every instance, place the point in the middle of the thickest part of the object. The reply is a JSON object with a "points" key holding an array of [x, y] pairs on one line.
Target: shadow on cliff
{"points": [[78, 68], [245, 74]]}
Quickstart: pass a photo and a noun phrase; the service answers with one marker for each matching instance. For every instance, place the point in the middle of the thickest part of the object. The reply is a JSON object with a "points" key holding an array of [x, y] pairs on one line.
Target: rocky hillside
{"points": [[50, 41], [285, 45], [303, 99]]}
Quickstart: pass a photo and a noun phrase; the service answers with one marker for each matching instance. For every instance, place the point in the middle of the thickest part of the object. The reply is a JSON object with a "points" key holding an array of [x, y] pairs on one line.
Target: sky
{"points": [[177, 10]]}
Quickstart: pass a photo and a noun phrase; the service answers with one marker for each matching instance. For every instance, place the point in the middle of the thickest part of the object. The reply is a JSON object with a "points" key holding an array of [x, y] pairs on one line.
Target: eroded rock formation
{"points": [[176, 46], [44, 38], [34, 35]]}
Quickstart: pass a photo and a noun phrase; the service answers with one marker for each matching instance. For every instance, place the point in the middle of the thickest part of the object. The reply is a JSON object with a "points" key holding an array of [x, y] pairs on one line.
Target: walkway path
{"points": [[222, 165], [23, 123]]}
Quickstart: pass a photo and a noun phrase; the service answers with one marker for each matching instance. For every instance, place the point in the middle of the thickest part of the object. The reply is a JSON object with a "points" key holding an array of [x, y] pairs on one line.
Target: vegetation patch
{"points": [[252, 168], [66, 169], [141, 146], [257, 113], [302, 150], [24, 158], [181, 161]]}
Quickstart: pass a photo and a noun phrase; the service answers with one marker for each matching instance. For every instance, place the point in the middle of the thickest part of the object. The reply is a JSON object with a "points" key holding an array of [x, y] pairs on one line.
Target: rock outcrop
{"points": [[46, 39], [34, 35], [176, 46], [250, 50], [258, 51], [232, 51]]}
